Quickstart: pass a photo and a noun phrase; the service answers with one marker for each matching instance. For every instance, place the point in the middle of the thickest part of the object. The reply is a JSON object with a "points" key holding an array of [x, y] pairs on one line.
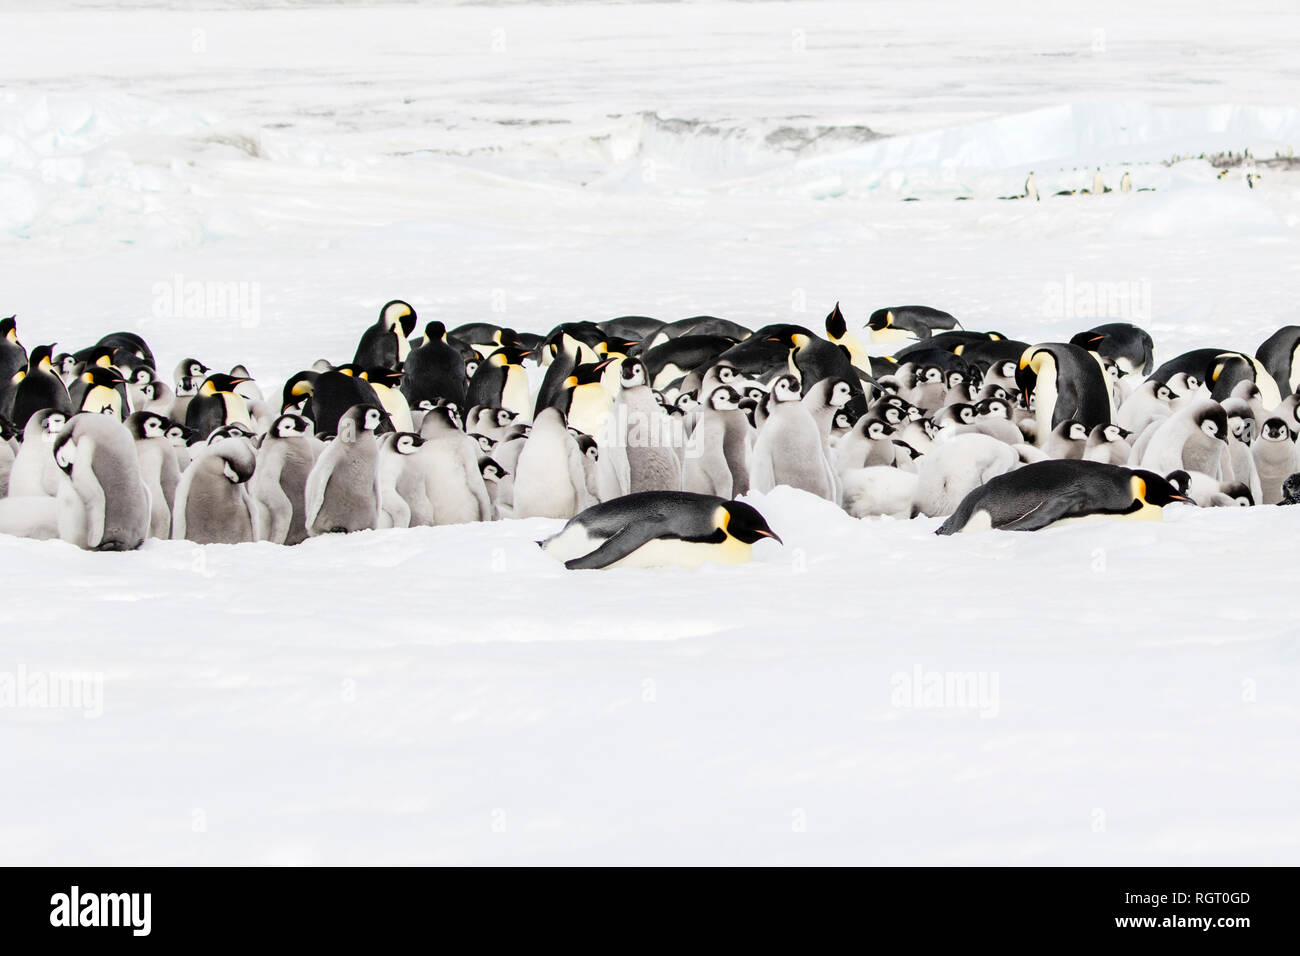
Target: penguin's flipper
{"points": [[1047, 512], [619, 546]]}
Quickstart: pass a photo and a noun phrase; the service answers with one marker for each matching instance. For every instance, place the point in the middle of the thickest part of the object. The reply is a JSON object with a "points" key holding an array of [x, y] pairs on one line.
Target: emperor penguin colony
{"points": [[637, 435]]}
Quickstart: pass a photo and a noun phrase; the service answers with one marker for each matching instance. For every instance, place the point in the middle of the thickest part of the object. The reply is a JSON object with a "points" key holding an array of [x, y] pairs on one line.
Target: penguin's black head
{"points": [[100, 355], [145, 425], [143, 375], [434, 332], [350, 370], [508, 355], [233, 430], [1275, 430], [485, 444], [490, 469], [290, 425], [41, 356], [220, 382], [64, 450], [98, 375], [843, 420], [179, 434], [383, 376], [685, 402], [587, 445], [398, 313], [1213, 420], [724, 398], [1158, 491], [504, 417], [1239, 493], [745, 524], [407, 443], [633, 373], [880, 319], [9, 329], [786, 389], [835, 324], [298, 389], [586, 374]]}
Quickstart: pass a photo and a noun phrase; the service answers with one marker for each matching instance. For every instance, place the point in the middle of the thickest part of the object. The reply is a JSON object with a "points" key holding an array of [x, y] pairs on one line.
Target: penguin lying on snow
{"points": [[1047, 492], [659, 528]]}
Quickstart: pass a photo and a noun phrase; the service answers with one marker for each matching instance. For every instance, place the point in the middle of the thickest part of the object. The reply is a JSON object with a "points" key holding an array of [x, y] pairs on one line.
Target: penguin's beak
{"points": [[773, 535]]}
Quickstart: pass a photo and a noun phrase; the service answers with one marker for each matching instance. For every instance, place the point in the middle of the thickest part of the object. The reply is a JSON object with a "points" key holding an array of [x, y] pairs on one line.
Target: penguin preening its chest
{"points": [[1066, 382], [385, 344], [659, 528], [1045, 493]]}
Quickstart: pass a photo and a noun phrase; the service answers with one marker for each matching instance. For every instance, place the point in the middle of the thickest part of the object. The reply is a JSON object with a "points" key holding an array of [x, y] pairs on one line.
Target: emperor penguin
{"points": [[387, 386], [1280, 356], [1128, 346], [1275, 459], [1108, 444], [157, 468], [394, 450], [102, 391], [435, 371], [212, 500], [638, 450], [502, 382], [38, 388], [1068, 440], [837, 331], [550, 481], [217, 403], [103, 504], [1126, 183], [583, 400], [1152, 400], [954, 466], [1045, 493], [1066, 382], [790, 449], [342, 493], [454, 483], [1098, 184], [34, 472], [1194, 438], [908, 323], [659, 529], [1031, 188], [717, 453], [384, 344], [278, 488], [13, 357]]}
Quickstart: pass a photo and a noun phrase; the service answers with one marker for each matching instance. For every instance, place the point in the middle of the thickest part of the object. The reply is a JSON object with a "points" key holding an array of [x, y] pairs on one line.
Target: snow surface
{"points": [[452, 695]]}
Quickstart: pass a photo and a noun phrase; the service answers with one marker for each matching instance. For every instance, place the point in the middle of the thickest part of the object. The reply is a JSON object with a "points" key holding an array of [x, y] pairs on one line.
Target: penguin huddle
{"points": [[639, 433]]}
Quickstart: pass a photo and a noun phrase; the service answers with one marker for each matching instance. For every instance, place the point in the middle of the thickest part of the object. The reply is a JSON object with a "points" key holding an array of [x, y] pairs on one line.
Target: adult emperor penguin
{"points": [[385, 343], [908, 323], [717, 453], [584, 401], [215, 404], [1276, 459], [638, 450], [1048, 492], [550, 480], [435, 371], [103, 504], [1280, 355], [278, 487], [34, 472], [1128, 346], [837, 330], [13, 357], [212, 500], [453, 480], [158, 468], [502, 382], [100, 390], [659, 529], [387, 386], [342, 493], [1066, 382], [789, 449], [39, 387]]}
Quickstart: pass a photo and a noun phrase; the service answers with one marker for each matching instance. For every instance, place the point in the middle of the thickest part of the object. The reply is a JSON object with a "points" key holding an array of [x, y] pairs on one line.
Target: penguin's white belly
{"points": [[516, 397]]}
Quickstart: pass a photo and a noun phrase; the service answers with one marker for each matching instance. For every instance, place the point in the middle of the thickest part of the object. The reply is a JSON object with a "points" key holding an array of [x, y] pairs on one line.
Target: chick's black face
{"points": [[746, 524]]}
